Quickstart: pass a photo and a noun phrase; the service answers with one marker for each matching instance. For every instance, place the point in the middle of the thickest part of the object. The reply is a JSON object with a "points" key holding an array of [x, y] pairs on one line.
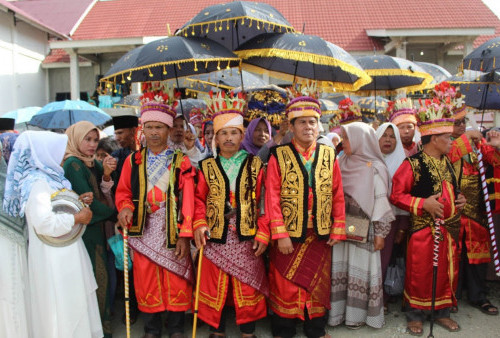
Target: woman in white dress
{"points": [[14, 296], [356, 297], [62, 284]]}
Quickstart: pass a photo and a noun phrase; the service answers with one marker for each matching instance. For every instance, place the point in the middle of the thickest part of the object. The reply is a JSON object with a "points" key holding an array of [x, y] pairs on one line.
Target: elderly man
{"points": [[305, 206], [155, 199]]}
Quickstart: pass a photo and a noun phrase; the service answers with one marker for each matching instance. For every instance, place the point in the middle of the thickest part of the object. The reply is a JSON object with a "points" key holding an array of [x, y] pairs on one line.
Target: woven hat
{"points": [[227, 110], [158, 104], [402, 111], [303, 101]]}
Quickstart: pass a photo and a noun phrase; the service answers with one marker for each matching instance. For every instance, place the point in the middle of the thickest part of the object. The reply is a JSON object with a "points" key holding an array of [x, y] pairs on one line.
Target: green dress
{"points": [[84, 179]]}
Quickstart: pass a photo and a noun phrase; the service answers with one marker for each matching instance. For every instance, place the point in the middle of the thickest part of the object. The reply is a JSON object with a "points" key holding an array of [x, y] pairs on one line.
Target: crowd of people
{"points": [[294, 225]]}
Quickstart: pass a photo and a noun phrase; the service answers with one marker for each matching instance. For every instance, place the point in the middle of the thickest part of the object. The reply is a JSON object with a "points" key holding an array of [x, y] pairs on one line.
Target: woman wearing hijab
{"points": [[62, 286], [207, 130], [86, 174], [394, 154], [14, 295], [257, 134], [356, 297]]}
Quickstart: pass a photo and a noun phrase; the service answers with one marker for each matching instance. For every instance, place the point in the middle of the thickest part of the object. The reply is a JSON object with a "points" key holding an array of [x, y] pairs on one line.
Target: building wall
{"points": [[59, 81], [23, 82]]}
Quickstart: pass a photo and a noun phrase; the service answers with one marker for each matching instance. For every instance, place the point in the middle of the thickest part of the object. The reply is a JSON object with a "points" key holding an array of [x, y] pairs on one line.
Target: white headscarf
{"points": [[36, 155], [394, 159], [359, 168]]}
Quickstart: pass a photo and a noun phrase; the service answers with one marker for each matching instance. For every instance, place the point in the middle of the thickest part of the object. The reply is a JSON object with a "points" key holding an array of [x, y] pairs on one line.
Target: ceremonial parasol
{"points": [[234, 23], [483, 58], [171, 57], [438, 73], [297, 57], [390, 73]]}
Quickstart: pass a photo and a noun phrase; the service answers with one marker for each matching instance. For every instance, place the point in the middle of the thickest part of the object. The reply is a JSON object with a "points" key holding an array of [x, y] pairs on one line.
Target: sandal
{"points": [[447, 323], [415, 328], [485, 306], [355, 326], [454, 309]]}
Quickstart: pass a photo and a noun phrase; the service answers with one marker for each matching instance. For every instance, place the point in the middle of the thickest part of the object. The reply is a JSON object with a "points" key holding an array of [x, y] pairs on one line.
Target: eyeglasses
{"points": [[459, 122]]}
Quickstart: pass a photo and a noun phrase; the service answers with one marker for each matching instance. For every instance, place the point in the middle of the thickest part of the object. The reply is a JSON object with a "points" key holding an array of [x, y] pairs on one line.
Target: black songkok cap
{"points": [[7, 123], [125, 121]]}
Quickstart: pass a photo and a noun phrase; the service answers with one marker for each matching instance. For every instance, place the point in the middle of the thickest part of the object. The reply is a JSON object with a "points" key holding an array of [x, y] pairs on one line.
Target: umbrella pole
{"points": [[126, 282], [177, 81], [483, 102], [241, 72]]}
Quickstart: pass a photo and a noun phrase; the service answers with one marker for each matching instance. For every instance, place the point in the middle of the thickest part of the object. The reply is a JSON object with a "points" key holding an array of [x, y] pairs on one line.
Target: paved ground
{"points": [[473, 323]]}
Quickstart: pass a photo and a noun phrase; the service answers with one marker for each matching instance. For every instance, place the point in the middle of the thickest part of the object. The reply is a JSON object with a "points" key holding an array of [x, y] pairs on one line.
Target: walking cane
{"points": [[437, 234], [125, 276], [197, 292]]}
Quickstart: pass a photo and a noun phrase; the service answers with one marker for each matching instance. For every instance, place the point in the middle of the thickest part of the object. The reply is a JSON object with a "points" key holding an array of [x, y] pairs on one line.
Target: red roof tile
{"points": [[60, 14], [60, 56], [343, 22]]}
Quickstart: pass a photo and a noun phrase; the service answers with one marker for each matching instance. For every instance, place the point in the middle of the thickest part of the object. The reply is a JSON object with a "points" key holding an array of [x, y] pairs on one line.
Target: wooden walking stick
{"points": [[125, 276], [197, 292], [437, 237]]}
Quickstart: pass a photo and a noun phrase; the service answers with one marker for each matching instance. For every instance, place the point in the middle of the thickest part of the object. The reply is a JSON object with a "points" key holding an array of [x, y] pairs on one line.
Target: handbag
{"points": [[356, 224], [395, 278], [116, 244]]}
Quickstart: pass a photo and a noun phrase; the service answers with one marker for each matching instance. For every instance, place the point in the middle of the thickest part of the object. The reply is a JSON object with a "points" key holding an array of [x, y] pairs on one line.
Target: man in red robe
{"points": [[474, 240], [426, 186], [305, 206], [155, 199], [227, 195]]}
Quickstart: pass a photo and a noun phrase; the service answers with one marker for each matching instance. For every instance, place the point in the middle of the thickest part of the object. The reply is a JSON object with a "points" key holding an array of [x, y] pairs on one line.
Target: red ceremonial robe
{"points": [[310, 262], [216, 283], [158, 289], [419, 269], [473, 219]]}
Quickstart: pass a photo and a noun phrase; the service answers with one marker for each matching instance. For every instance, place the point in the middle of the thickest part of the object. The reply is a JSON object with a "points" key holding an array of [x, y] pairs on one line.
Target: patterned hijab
{"points": [[7, 140], [76, 133], [37, 155], [359, 168]]}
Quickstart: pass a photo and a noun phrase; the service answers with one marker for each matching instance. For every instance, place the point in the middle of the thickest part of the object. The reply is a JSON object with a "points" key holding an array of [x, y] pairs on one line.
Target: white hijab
{"points": [[394, 159]]}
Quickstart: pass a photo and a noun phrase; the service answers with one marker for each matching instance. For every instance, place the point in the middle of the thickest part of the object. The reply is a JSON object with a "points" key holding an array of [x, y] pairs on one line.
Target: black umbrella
{"points": [[438, 73], [169, 58], [390, 73], [483, 58], [296, 57], [372, 108], [234, 23], [225, 79], [483, 93], [186, 105]]}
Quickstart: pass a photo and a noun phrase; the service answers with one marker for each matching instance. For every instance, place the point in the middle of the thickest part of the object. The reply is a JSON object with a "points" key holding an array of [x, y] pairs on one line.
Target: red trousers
{"points": [[158, 289], [249, 303]]}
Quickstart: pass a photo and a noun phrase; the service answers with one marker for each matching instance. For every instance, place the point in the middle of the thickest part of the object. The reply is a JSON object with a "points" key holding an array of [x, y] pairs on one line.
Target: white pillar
{"points": [[136, 88], [468, 47], [401, 50], [74, 74]]}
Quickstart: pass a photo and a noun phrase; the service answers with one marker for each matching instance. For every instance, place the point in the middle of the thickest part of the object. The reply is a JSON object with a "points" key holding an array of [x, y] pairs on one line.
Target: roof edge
{"points": [[29, 19], [405, 32]]}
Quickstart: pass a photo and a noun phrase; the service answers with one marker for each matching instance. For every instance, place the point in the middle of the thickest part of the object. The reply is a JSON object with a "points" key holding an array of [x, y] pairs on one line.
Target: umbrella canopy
{"points": [[484, 58], [171, 57], [372, 108], [225, 79], [234, 23], [483, 93], [22, 115], [390, 73], [328, 108], [62, 114], [438, 73], [295, 57], [185, 106]]}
